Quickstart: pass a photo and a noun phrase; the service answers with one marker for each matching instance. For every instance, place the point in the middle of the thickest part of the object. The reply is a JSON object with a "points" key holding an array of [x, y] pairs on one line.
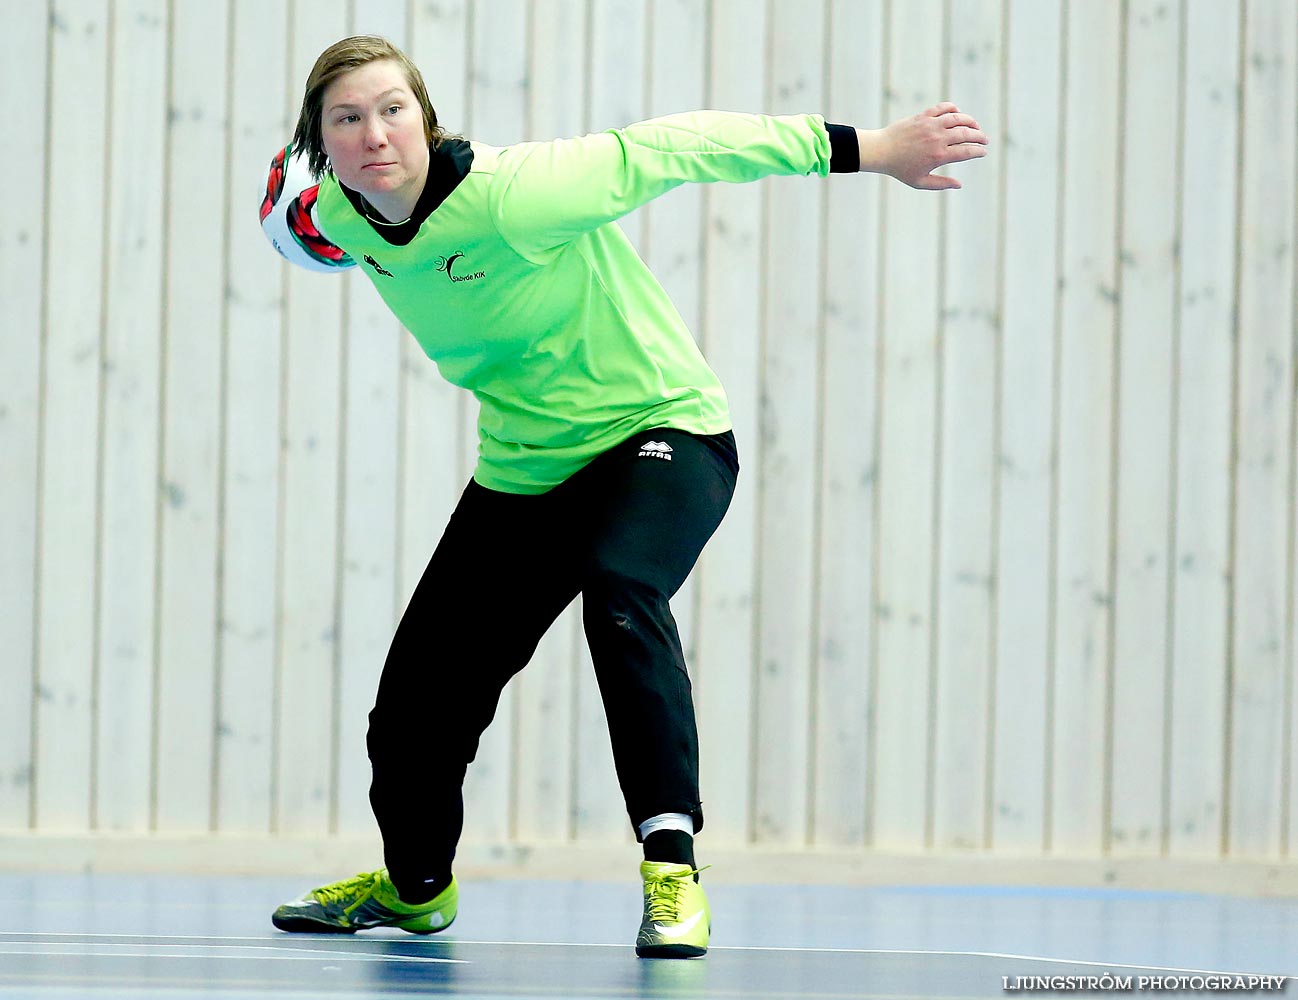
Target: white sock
{"points": [[667, 821]]}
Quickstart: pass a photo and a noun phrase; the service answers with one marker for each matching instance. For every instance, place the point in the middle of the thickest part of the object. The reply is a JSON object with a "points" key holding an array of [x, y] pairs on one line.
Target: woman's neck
{"points": [[397, 206], [387, 210]]}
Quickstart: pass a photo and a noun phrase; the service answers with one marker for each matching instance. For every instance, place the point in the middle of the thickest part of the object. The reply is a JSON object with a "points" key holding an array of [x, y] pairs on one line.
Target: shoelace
{"points": [[664, 894], [349, 891]]}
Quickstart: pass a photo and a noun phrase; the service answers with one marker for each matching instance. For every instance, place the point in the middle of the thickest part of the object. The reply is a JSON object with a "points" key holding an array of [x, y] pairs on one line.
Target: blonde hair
{"points": [[343, 57]]}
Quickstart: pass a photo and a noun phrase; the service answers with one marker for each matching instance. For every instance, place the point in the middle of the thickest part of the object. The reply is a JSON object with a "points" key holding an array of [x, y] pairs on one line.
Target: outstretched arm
{"points": [[544, 194], [910, 149]]}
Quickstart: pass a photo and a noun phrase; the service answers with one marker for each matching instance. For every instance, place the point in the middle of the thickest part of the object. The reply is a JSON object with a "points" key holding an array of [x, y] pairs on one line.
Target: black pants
{"points": [[625, 532]]}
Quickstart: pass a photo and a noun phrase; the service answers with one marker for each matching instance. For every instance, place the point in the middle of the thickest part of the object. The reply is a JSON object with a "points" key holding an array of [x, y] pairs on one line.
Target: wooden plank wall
{"points": [[1011, 565]]}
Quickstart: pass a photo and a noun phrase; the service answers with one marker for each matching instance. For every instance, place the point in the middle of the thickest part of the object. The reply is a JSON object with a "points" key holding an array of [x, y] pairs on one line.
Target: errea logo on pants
{"points": [[656, 449]]}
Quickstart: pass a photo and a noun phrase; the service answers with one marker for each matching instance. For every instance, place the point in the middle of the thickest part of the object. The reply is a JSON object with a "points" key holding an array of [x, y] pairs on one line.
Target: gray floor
{"points": [[99, 936]]}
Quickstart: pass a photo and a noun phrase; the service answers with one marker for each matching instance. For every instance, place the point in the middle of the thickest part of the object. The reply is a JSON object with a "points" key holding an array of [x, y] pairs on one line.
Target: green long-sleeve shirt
{"points": [[521, 289]]}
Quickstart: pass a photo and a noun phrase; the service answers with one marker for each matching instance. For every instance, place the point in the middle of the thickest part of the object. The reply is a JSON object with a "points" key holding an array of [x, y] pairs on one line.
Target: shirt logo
{"points": [[448, 263], [376, 265]]}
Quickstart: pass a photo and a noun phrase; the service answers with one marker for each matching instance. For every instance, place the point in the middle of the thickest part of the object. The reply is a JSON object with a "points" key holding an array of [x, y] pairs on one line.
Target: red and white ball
{"points": [[288, 216]]}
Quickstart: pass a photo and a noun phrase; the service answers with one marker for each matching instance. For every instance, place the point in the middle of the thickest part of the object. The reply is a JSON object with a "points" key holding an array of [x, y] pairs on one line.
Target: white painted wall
{"points": [[1011, 566]]}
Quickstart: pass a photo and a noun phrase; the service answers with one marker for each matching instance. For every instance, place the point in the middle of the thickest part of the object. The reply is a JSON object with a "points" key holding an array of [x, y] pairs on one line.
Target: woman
{"points": [[600, 422]]}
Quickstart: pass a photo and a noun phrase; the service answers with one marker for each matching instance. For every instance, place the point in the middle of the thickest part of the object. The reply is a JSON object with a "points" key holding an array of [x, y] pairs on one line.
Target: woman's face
{"points": [[373, 130]]}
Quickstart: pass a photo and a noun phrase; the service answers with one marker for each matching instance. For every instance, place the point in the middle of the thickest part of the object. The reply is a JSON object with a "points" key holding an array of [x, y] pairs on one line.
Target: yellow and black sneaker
{"points": [[366, 900], [676, 921]]}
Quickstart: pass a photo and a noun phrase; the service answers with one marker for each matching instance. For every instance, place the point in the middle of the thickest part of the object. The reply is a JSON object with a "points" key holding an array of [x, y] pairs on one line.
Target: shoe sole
{"points": [[670, 951], [302, 925]]}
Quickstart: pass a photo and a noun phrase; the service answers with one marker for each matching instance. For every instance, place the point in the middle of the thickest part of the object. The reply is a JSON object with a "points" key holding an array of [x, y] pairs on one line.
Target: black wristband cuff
{"points": [[844, 152]]}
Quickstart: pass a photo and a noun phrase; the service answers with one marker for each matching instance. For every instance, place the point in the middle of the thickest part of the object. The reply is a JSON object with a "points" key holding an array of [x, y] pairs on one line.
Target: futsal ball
{"points": [[288, 216]]}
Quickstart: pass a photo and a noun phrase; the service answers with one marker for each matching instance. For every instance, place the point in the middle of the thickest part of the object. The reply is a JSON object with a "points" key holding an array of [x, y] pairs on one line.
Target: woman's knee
{"points": [[620, 591]]}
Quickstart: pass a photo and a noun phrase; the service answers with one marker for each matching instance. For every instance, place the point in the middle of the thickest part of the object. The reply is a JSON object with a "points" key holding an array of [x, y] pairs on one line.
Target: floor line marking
{"points": [[162, 939], [579, 944], [205, 951], [236, 958], [1007, 955], [900, 951]]}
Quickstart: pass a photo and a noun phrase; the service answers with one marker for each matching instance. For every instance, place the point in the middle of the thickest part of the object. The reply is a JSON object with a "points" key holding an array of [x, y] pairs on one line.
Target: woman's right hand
{"points": [[910, 149]]}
